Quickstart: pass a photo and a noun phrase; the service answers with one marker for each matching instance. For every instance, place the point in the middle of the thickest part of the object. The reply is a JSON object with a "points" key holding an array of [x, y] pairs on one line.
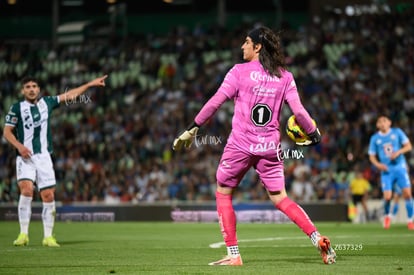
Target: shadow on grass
{"points": [[75, 242]]}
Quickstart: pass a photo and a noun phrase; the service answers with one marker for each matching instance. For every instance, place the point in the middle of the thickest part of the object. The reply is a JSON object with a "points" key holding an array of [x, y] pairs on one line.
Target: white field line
{"points": [[221, 244]]}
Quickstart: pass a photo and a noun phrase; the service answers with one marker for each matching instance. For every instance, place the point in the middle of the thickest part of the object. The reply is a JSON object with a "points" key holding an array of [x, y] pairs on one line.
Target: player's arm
{"points": [[301, 114], [406, 147], [374, 160], [72, 94], [208, 110], [11, 138], [226, 91], [305, 120]]}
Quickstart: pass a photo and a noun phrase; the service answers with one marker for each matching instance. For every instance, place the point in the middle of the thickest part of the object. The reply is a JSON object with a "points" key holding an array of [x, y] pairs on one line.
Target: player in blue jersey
{"points": [[27, 128], [386, 152]]}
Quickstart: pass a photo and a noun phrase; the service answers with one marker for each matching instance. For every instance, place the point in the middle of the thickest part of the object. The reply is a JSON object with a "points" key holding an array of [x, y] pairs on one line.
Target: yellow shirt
{"points": [[359, 186]]}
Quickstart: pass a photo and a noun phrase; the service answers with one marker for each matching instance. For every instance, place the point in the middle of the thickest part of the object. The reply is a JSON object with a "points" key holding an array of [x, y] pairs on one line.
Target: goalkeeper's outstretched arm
{"points": [[208, 110]]}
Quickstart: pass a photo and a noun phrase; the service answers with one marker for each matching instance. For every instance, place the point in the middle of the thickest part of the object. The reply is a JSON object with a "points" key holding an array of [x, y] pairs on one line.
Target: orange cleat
{"points": [[387, 222], [326, 251]]}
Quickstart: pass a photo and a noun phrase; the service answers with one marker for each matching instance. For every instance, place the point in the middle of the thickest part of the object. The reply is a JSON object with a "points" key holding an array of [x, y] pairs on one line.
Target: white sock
{"points": [[24, 211], [233, 250], [315, 237], [48, 218]]}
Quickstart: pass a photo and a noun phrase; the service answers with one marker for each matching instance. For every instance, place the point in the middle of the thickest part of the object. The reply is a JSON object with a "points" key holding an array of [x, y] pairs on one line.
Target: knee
{"points": [[406, 193], [47, 195], [26, 188], [387, 196], [221, 188]]}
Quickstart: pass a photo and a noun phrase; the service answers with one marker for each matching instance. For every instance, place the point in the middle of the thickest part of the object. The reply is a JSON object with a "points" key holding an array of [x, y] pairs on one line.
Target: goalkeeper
{"points": [[258, 87]]}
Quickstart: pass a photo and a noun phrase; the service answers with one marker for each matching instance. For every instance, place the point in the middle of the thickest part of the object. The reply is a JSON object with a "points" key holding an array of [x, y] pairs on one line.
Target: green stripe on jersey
{"points": [[36, 144]]}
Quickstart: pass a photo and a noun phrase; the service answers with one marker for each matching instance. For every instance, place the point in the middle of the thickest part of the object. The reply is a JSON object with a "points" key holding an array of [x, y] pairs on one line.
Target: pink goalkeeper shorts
{"points": [[234, 164]]}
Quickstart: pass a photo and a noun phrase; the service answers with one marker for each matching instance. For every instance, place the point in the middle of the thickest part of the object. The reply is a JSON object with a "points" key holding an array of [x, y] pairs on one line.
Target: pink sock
{"points": [[297, 215], [227, 218]]}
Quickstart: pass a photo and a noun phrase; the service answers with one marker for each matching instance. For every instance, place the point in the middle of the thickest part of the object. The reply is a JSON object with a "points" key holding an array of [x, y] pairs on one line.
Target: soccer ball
{"points": [[294, 131]]}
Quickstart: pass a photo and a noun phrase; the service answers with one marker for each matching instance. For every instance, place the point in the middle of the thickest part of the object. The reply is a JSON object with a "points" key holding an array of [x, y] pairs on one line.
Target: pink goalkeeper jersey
{"points": [[258, 100]]}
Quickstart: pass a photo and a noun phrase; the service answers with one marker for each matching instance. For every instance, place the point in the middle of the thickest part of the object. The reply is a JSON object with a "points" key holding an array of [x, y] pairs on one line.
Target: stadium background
{"points": [[352, 60]]}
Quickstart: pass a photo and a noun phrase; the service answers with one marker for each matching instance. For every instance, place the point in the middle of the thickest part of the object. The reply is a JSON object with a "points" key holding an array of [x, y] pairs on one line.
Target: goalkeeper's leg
{"points": [[233, 166], [227, 221], [302, 220]]}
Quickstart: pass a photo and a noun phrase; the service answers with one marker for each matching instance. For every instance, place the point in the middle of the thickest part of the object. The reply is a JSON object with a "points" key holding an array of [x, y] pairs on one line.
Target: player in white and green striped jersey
{"points": [[27, 128]]}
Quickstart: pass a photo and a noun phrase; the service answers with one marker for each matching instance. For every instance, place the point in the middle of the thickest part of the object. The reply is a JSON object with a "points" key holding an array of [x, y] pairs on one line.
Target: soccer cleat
{"points": [[22, 240], [326, 251], [50, 242], [387, 222], [410, 225], [228, 260]]}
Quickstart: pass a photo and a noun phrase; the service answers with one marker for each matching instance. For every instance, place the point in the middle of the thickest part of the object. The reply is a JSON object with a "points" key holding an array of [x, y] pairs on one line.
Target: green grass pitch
{"points": [[187, 248]]}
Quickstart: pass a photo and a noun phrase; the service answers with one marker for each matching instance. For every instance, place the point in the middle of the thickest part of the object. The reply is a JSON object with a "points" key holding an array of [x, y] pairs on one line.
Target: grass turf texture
{"points": [[184, 248]]}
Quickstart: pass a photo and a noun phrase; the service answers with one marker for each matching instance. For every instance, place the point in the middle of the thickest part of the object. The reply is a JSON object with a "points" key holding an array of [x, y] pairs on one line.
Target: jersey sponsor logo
{"points": [[264, 91], [38, 122], [28, 126], [263, 147], [281, 154], [257, 76], [27, 122]]}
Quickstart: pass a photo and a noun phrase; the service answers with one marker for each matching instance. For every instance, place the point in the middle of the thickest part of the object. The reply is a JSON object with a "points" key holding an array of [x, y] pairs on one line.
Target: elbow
{"points": [[372, 159], [7, 132], [4, 131], [5, 135]]}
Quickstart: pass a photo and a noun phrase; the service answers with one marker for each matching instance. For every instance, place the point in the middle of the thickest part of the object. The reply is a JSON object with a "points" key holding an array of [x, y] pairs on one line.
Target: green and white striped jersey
{"points": [[31, 122]]}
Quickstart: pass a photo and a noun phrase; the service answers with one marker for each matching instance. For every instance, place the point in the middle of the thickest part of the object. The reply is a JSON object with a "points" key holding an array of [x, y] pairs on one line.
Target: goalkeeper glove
{"points": [[314, 138], [186, 138]]}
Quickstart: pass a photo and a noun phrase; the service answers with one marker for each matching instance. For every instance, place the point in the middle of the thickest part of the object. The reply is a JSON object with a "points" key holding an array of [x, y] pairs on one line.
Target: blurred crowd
{"points": [[114, 144]]}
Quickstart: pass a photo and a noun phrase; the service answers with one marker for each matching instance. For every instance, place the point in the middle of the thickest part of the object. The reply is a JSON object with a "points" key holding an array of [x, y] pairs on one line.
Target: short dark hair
{"points": [[29, 79]]}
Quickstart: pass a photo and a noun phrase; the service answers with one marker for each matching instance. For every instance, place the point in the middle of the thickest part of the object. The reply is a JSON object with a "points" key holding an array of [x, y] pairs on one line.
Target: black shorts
{"points": [[357, 198]]}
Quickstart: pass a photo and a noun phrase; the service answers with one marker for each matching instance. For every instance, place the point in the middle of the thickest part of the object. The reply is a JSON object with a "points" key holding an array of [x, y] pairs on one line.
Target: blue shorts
{"points": [[397, 189], [394, 179]]}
